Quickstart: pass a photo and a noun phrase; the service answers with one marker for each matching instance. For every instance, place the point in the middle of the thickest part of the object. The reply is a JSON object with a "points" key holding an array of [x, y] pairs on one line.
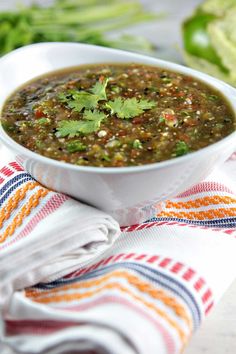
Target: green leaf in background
{"points": [[87, 21]]}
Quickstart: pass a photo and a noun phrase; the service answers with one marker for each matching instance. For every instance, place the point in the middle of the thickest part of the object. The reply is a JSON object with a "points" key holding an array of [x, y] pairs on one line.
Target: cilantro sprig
{"points": [[79, 100], [87, 103], [68, 128]]}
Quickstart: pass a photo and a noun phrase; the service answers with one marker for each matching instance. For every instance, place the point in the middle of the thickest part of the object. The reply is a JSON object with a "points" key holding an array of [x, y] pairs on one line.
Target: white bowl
{"points": [[129, 194]]}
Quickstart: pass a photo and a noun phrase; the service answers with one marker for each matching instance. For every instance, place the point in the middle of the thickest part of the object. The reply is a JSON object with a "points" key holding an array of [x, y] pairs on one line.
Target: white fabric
{"points": [[68, 238], [211, 254]]}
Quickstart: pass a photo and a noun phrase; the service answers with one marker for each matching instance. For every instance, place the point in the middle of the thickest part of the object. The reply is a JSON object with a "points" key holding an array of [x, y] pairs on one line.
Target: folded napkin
{"points": [[44, 235], [146, 293]]}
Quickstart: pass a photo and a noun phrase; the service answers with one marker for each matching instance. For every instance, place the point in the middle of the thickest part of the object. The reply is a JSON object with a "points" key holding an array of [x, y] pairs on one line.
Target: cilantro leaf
{"points": [[81, 100], [70, 128], [88, 127], [99, 89], [115, 106], [78, 100], [129, 108], [64, 97], [93, 121], [145, 104], [94, 115]]}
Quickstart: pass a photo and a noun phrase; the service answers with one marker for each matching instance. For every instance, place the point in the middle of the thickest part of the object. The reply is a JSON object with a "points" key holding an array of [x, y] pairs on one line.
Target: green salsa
{"points": [[115, 115]]}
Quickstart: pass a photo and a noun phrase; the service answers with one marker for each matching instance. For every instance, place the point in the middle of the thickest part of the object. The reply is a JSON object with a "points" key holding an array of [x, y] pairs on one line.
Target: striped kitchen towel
{"points": [[44, 234], [146, 293]]}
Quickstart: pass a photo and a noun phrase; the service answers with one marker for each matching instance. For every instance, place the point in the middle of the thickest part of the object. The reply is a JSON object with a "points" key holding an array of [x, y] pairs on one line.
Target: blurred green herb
{"points": [[75, 146], [86, 21]]}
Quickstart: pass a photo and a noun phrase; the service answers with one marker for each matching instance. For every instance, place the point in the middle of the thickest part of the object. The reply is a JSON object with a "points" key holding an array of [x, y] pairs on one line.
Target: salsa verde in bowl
{"points": [[110, 127], [116, 115]]}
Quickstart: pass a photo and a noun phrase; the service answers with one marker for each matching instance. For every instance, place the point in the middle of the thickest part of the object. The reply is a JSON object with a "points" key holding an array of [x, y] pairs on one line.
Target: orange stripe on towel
{"points": [[23, 213], [157, 294], [117, 286], [200, 202], [13, 202], [201, 215]]}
